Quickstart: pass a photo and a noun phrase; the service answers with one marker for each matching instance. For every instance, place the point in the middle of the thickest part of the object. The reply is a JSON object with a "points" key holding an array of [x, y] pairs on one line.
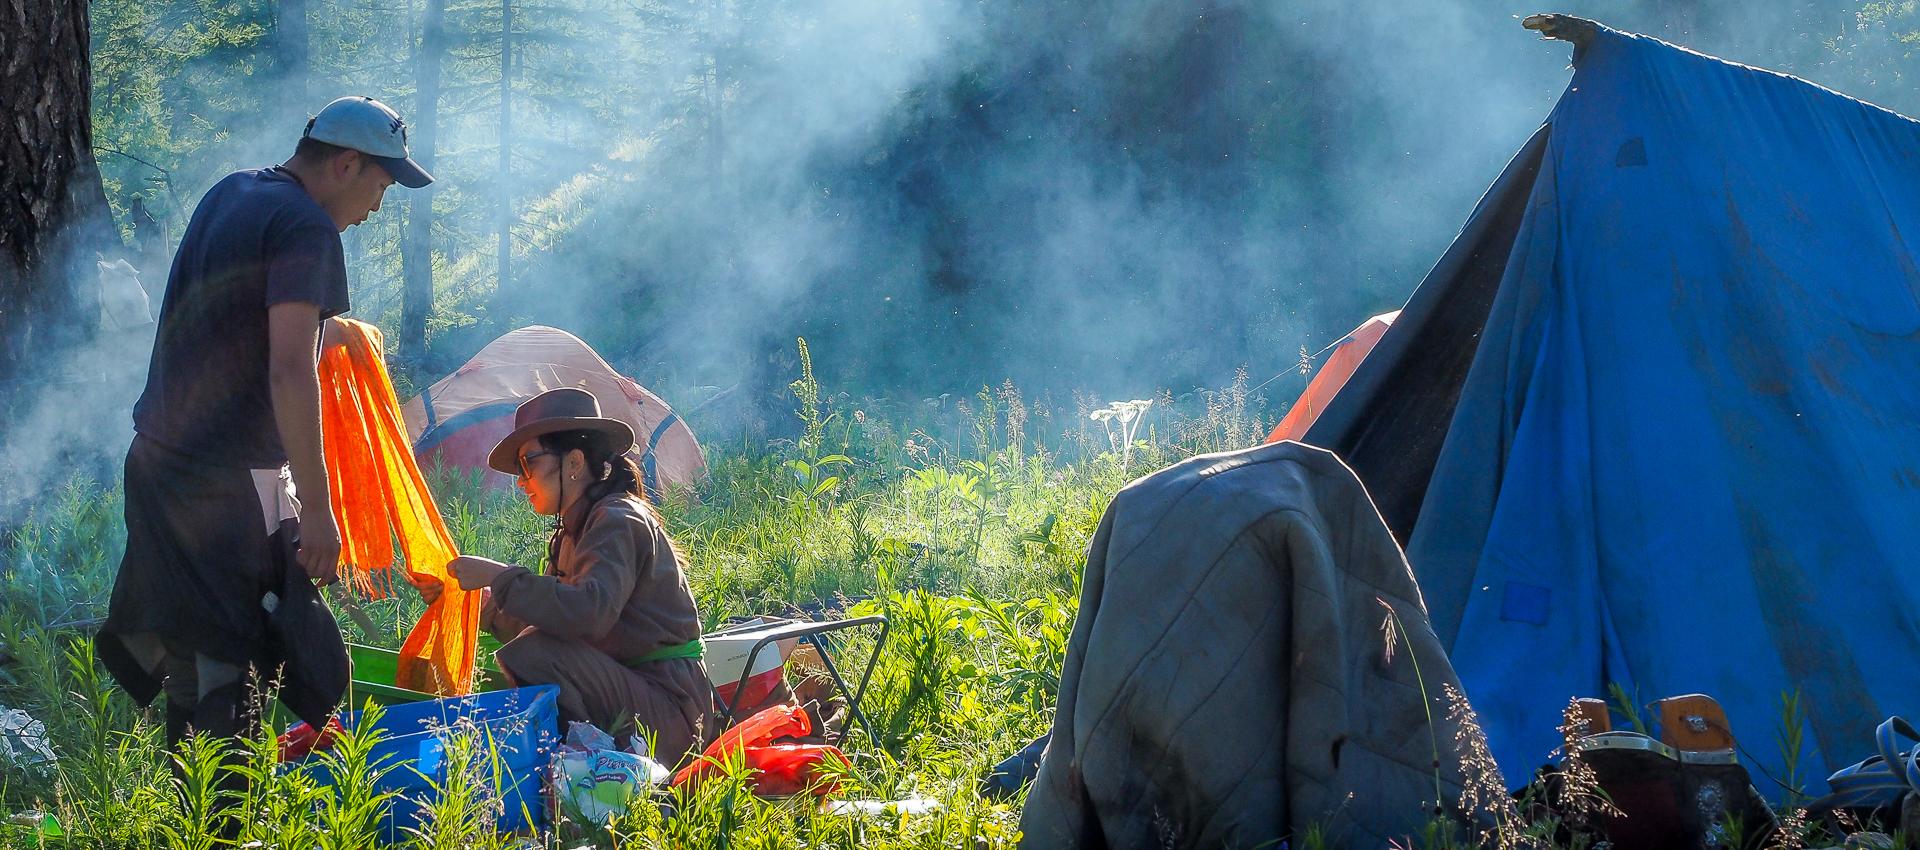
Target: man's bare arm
{"points": [[293, 335]]}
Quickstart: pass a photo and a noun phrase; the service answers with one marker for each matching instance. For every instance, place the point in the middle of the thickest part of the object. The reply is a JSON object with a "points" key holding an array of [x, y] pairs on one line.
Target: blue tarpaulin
{"points": [[1654, 419]]}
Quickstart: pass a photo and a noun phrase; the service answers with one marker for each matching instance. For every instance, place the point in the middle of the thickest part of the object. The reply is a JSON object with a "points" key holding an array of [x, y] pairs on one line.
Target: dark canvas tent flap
{"points": [[1228, 681], [1685, 455], [1391, 417]]}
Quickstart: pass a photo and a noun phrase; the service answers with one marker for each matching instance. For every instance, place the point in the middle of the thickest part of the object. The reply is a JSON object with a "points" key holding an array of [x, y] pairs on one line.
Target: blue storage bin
{"points": [[523, 724]]}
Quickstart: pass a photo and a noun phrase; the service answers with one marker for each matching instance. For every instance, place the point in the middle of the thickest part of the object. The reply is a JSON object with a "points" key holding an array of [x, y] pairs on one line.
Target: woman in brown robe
{"points": [[612, 623]]}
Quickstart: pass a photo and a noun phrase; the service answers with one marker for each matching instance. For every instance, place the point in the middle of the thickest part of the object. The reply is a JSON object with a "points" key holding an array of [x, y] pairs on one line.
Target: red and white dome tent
{"points": [[457, 421]]}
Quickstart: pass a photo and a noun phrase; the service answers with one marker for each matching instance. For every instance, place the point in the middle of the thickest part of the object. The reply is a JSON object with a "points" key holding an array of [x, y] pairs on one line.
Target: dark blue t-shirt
{"points": [[257, 239]]}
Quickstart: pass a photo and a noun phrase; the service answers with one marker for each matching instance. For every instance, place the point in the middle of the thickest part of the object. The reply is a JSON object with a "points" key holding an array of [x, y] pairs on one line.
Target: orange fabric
{"points": [[1347, 355], [379, 497]]}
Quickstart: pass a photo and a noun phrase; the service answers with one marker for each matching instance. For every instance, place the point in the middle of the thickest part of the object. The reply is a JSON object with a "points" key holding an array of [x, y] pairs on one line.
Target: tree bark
{"points": [[416, 252], [53, 211]]}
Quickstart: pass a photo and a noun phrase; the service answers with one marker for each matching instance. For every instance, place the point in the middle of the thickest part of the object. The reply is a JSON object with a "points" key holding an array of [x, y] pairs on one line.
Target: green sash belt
{"points": [[691, 649]]}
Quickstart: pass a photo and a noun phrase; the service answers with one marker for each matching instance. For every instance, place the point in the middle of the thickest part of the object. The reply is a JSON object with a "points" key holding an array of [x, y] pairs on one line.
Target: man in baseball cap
{"points": [[370, 127], [226, 481]]}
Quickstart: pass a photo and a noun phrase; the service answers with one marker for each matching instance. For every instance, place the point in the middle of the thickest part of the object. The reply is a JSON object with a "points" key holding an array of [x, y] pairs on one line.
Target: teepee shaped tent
{"points": [[1653, 418], [457, 421]]}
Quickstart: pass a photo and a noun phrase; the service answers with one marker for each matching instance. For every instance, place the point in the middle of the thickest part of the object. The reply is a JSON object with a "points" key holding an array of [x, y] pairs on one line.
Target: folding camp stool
{"points": [[815, 634]]}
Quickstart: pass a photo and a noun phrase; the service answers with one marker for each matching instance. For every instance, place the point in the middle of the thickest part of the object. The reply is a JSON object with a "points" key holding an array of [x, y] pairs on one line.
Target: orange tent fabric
{"points": [[1347, 355], [379, 497]]}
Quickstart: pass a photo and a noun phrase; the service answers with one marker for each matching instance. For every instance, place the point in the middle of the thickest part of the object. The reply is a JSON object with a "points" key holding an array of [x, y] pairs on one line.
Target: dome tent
{"points": [[457, 421]]}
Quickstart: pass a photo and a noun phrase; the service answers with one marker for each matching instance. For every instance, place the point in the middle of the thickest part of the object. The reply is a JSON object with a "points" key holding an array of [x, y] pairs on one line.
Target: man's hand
{"points": [[333, 333], [319, 552], [474, 572], [430, 588]]}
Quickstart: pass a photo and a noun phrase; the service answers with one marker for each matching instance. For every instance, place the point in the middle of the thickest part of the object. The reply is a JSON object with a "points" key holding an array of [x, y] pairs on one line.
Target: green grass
{"points": [[965, 521]]}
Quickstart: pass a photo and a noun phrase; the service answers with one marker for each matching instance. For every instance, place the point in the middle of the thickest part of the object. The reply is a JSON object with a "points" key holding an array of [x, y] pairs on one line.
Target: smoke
{"points": [[72, 418], [938, 194]]}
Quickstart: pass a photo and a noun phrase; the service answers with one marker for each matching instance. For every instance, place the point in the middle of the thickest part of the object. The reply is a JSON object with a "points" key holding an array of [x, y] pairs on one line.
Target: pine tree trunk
{"points": [[716, 100], [294, 49], [505, 261], [53, 211], [416, 252]]}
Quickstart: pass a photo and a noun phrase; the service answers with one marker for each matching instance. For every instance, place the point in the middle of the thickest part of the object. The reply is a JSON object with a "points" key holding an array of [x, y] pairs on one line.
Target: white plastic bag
{"points": [[594, 782], [23, 740]]}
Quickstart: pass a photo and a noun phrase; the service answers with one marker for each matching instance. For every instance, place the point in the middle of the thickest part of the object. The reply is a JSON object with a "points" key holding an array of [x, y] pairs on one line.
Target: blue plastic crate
{"points": [[522, 724]]}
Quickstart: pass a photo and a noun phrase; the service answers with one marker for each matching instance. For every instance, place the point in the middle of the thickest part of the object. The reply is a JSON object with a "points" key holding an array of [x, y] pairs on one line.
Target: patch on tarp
{"points": [[1632, 152], [1525, 603]]}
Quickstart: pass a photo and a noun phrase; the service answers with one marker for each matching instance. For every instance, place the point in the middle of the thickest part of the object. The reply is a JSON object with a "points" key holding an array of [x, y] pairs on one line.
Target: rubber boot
{"points": [[179, 720], [179, 723], [225, 713]]}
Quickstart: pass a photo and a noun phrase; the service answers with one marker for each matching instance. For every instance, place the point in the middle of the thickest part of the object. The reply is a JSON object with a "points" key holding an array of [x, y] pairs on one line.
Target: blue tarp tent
{"points": [[1654, 418]]}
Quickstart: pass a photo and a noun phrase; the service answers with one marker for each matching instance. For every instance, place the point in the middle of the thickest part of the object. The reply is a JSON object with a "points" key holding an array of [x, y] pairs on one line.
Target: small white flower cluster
{"points": [[1122, 419]]}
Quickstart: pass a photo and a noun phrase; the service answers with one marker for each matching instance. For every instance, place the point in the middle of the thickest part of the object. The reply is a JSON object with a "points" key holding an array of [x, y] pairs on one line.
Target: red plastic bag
{"points": [[777, 768], [300, 739], [793, 768]]}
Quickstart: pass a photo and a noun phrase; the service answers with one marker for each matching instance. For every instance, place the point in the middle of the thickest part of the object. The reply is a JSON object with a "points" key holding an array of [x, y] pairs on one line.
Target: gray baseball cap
{"points": [[370, 127]]}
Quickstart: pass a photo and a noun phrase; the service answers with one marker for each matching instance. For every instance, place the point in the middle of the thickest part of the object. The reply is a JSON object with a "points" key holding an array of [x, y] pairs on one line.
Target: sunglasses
{"points": [[525, 459]]}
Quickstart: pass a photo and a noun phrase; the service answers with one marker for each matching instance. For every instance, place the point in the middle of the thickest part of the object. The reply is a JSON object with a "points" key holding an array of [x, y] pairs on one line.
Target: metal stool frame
{"points": [[813, 633]]}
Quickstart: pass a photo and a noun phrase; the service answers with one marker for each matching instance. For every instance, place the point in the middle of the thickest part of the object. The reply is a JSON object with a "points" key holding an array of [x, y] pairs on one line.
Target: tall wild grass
{"points": [[964, 520]]}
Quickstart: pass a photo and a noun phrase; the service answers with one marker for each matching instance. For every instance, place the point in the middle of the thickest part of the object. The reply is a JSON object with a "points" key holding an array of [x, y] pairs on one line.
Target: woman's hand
{"points": [[475, 572], [430, 588]]}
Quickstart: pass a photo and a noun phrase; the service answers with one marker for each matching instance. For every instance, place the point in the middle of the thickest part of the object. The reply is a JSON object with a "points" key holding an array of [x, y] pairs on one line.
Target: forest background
{"points": [[986, 218], [939, 195]]}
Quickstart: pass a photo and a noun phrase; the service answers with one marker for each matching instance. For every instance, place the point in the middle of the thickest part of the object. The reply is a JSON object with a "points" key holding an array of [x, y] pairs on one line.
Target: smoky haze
{"points": [[945, 194], [948, 194], [937, 194]]}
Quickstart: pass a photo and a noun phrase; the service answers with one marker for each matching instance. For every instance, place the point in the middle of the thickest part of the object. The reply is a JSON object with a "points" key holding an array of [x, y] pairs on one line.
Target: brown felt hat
{"points": [[553, 411]]}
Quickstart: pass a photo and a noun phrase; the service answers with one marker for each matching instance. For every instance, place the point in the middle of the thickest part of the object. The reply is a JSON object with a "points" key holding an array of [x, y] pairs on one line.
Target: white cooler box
{"points": [[727, 656]]}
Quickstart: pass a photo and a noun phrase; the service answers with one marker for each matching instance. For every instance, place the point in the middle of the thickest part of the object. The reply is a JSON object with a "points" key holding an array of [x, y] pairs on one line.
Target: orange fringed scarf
{"points": [[379, 496]]}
